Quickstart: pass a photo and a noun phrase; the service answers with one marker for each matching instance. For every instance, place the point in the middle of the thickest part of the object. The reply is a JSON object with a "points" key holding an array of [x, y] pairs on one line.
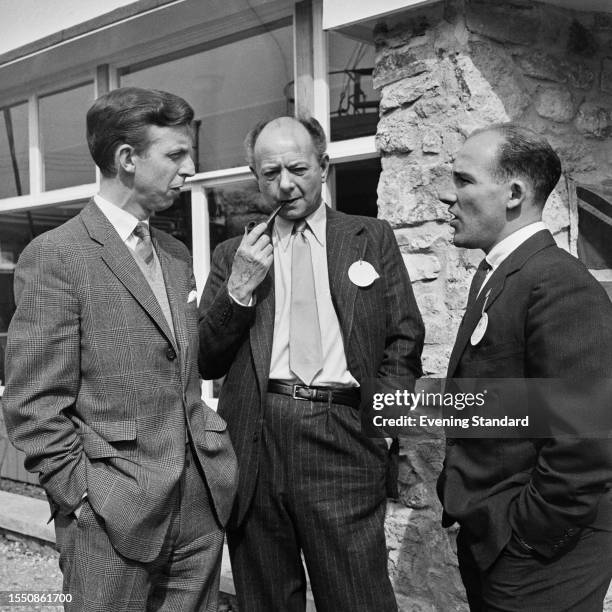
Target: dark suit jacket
{"points": [[548, 318], [381, 328], [98, 390]]}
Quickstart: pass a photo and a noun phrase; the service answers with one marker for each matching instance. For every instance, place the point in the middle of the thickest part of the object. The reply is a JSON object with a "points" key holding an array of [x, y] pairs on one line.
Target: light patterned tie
{"points": [[305, 352], [144, 247]]}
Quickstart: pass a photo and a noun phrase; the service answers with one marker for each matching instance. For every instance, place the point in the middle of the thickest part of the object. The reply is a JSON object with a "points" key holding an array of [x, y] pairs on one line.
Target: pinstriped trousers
{"points": [[184, 578], [320, 492]]}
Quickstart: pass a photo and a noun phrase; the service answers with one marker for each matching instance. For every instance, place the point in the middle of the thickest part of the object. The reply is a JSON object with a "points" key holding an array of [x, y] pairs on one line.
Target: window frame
{"points": [[310, 73]]}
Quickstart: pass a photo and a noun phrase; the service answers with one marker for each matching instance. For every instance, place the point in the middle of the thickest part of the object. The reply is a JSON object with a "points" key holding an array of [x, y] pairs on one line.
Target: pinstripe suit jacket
{"points": [[99, 391], [381, 328]]}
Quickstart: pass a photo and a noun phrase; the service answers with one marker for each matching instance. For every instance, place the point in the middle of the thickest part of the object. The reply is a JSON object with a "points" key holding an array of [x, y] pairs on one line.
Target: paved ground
{"points": [[29, 566]]}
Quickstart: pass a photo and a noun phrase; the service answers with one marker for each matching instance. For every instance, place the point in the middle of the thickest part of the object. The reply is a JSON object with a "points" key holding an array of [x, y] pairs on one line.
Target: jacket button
{"points": [[170, 354], [255, 437], [450, 443]]}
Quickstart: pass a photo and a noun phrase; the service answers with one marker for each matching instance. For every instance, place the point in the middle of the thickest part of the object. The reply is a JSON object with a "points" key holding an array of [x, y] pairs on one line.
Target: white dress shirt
{"points": [[335, 370], [123, 221], [502, 250]]}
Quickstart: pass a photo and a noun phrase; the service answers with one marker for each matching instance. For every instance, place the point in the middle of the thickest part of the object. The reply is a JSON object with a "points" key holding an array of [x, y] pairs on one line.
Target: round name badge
{"points": [[480, 329], [362, 273]]}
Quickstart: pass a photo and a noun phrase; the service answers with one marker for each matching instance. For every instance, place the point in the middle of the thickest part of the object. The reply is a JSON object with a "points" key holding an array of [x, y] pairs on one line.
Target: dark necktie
{"points": [[144, 247], [305, 352], [481, 273]]}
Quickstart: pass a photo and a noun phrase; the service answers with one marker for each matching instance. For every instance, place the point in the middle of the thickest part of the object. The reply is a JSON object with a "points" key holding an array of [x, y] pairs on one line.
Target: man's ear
{"points": [[518, 193], [324, 163], [124, 158]]}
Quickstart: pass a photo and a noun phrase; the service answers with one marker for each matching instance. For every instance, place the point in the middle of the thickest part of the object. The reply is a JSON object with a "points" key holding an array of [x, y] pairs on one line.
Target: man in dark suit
{"points": [[295, 336], [535, 513], [102, 389]]}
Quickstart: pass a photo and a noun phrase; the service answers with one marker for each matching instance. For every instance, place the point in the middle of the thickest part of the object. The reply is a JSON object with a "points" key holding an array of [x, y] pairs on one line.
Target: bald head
{"points": [[287, 157], [522, 153], [311, 125]]}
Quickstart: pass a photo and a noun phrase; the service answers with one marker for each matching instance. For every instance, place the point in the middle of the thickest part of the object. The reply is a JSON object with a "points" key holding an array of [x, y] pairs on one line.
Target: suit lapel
{"points": [[345, 245], [117, 257], [173, 275], [492, 290], [262, 330]]}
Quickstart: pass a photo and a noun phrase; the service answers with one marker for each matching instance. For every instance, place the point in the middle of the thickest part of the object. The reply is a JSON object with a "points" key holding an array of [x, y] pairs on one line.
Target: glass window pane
{"points": [[14, 162], [230, 88], [353, 102], [176, 220], [17, 229], [62, 130], [357, 185], [232, 207]]}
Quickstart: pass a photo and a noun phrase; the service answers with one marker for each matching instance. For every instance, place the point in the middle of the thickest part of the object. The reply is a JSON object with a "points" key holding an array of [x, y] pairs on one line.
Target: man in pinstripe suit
{"points": [[311, 482], [102, 389]]}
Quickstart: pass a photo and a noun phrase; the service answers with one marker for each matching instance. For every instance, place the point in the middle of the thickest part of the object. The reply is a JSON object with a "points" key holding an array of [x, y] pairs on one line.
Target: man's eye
{"points": [[270, 176], [299, 171]]}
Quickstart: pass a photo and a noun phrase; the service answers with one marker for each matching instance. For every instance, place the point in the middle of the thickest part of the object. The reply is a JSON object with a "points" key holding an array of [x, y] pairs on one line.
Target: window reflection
{"points": [[14, 163], [230, 87], [352, 99], [62, 129], [176, 220], [232, 207]]}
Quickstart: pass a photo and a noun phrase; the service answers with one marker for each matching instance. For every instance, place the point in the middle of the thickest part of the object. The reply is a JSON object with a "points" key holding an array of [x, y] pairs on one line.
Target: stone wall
{"points": [[443, 71]]}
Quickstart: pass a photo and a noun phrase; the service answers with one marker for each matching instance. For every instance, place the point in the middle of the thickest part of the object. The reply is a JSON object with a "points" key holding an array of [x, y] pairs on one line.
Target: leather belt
{"points": [[346, 397]]}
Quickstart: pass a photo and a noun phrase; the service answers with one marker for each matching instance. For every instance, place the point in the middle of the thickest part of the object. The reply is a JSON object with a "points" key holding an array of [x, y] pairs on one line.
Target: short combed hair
{"points": [[313, 127], [525, 154], [122, 116]]}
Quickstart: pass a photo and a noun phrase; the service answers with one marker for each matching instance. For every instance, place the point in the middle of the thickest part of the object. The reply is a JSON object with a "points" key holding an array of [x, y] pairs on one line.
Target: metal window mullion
{"points": [[200, 239], [35, 145]]}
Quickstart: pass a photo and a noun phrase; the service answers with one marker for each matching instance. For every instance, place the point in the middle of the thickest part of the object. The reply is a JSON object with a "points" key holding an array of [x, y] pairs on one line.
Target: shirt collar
{"points": [[317, 222], [510, 243], [123, 221]]}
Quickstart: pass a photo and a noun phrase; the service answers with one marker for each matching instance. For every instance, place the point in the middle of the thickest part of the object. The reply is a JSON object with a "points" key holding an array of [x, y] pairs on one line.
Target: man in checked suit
{"points": [[102, 389], [310, 481], [535, 514]]}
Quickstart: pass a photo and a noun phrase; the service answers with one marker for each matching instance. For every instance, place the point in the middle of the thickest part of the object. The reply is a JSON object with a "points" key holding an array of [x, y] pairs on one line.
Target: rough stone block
{"points": [[505, 24], [421, 266], [426, 238], [497, 76], [431, 143], [541, 65], [594, 121], [555, 102], [396, 65], [401, 204], [398, 132], [605, 80], [556, 212], [579, 76], [481, 97], [407, 91]]}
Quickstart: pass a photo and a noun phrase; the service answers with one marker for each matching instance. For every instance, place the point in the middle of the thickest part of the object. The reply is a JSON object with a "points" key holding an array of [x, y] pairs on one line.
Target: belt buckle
{"points": [[296, 397]]}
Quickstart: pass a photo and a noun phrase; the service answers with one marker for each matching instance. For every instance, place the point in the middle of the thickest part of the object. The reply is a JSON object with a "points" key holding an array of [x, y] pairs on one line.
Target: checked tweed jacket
{"points": [[99, 391]]}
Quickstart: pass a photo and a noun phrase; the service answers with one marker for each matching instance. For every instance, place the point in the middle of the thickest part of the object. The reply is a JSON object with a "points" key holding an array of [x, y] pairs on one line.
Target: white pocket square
{"points": [[192, 297]]}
